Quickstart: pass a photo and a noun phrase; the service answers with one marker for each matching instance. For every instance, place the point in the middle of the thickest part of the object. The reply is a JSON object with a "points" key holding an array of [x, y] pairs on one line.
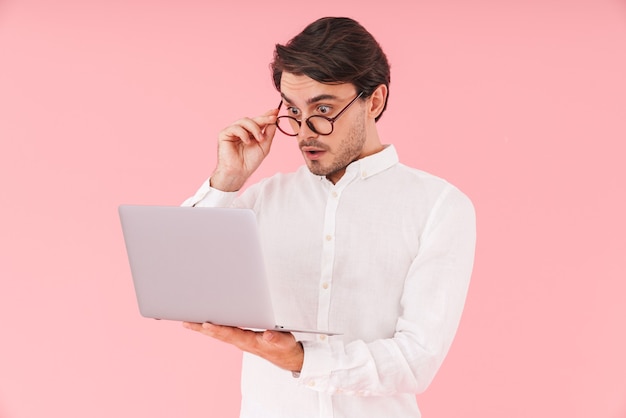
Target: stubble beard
{"points": [[348, 150]]}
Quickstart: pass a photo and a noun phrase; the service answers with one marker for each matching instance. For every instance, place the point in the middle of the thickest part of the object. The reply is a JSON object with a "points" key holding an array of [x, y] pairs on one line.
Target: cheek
{"points": [[351, 130], [357, 134]]}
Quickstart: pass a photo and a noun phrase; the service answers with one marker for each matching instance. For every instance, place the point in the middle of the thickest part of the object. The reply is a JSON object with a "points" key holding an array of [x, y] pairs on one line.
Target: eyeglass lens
{"points": [[317, 124]]}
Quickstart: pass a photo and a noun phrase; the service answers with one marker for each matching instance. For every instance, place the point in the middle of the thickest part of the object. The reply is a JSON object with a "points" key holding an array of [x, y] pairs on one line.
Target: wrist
{"points": [[226, 182], [299, 359]]}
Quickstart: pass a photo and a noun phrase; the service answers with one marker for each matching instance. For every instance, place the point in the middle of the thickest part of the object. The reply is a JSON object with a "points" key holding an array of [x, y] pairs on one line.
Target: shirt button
{"points": [[311, 383], [335, 194], [329, 237], [322, 337], [364, 174], [325, 285]]}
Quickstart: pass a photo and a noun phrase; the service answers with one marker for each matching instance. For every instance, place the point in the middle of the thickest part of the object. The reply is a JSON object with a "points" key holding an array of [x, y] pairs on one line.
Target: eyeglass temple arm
{"points": [[346, 108]]}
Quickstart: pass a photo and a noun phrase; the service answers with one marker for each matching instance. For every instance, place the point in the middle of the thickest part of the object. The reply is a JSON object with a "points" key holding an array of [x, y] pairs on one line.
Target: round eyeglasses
{"points": [[319, 124]]}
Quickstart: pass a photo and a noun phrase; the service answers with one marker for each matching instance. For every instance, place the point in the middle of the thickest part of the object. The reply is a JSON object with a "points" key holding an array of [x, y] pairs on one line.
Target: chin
{"points": [[316, 169]]}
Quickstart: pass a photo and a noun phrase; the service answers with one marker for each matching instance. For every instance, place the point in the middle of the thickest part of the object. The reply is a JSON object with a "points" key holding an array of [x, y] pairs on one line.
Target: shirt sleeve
{"points": [[206, 196], [431, 305]]}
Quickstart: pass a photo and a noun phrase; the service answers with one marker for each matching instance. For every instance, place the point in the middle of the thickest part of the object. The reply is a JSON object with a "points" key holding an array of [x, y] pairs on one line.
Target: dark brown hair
{"points": [[334, 50]]}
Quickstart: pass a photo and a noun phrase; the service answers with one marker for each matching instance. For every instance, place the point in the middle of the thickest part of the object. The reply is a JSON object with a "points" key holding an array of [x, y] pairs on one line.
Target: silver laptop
{"points": [[199, 265]]}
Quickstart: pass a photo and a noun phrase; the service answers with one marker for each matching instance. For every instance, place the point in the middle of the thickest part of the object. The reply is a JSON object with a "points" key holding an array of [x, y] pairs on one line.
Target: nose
{"points": [[305, 132]]}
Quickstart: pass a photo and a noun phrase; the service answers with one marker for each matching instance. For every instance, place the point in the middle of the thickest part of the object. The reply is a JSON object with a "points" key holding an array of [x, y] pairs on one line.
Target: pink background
{"points": [[522, 104]]}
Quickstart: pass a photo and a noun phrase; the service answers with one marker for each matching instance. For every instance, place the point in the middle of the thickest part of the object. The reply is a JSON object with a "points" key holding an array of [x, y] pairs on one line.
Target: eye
{"points": [[323, 109], [293, 111]]}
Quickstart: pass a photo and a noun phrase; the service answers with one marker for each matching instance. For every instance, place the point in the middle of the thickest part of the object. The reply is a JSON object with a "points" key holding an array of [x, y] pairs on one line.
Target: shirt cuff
{"points": [[316, 368], [206, 196]]}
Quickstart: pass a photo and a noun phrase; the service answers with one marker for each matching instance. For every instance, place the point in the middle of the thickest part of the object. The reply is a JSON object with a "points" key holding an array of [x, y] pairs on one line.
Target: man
{"points": [[354, 242]]}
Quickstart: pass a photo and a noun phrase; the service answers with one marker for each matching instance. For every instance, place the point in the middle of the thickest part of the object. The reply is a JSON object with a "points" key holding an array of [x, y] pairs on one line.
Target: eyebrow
{"points": [[314, 99]]}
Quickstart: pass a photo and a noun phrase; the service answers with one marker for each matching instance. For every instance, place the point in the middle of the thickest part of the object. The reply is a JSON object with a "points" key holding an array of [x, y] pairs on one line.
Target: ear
{"points": [[376, 102]]}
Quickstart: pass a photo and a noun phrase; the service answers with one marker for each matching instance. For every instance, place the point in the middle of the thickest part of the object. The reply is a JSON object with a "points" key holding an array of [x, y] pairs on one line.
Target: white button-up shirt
{"points": [[384, 257]]}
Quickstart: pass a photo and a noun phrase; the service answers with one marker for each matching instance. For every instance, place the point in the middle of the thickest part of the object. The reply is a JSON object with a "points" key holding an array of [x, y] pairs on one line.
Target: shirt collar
{"points": [[373, 164], [368, 166]]}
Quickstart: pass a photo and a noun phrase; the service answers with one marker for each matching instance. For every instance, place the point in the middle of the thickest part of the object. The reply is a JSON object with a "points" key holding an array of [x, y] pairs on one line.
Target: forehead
{"points": [[302, 89]]}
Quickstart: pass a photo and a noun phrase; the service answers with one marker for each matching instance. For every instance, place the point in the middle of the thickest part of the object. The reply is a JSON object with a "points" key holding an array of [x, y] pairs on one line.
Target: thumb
{"points": [[270, 131], [270, 337], [277, 338]]}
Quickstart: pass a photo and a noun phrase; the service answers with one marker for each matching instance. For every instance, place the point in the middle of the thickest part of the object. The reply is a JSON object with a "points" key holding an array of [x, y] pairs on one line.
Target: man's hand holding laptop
{"points": [[280, 348]]}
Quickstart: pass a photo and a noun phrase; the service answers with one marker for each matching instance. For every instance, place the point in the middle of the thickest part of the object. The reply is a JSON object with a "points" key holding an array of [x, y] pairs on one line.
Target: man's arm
{"points": [[242, 147]]}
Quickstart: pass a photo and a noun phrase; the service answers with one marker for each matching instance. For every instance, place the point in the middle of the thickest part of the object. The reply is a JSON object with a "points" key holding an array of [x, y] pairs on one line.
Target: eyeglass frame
{"points": [[309, 124]]}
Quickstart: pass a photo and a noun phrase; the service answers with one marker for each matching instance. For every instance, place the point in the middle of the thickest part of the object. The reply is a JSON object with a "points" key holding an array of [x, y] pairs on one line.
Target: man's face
{"points": [[326, 155]]}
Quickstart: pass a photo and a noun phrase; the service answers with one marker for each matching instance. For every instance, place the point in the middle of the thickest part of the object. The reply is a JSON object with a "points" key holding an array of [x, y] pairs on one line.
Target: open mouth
{"points": [[312, 151]]}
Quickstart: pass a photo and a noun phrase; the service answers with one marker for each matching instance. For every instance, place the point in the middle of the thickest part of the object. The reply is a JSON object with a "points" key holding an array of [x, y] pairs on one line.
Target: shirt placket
{"points": [[328, 259], [329, 250]]}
